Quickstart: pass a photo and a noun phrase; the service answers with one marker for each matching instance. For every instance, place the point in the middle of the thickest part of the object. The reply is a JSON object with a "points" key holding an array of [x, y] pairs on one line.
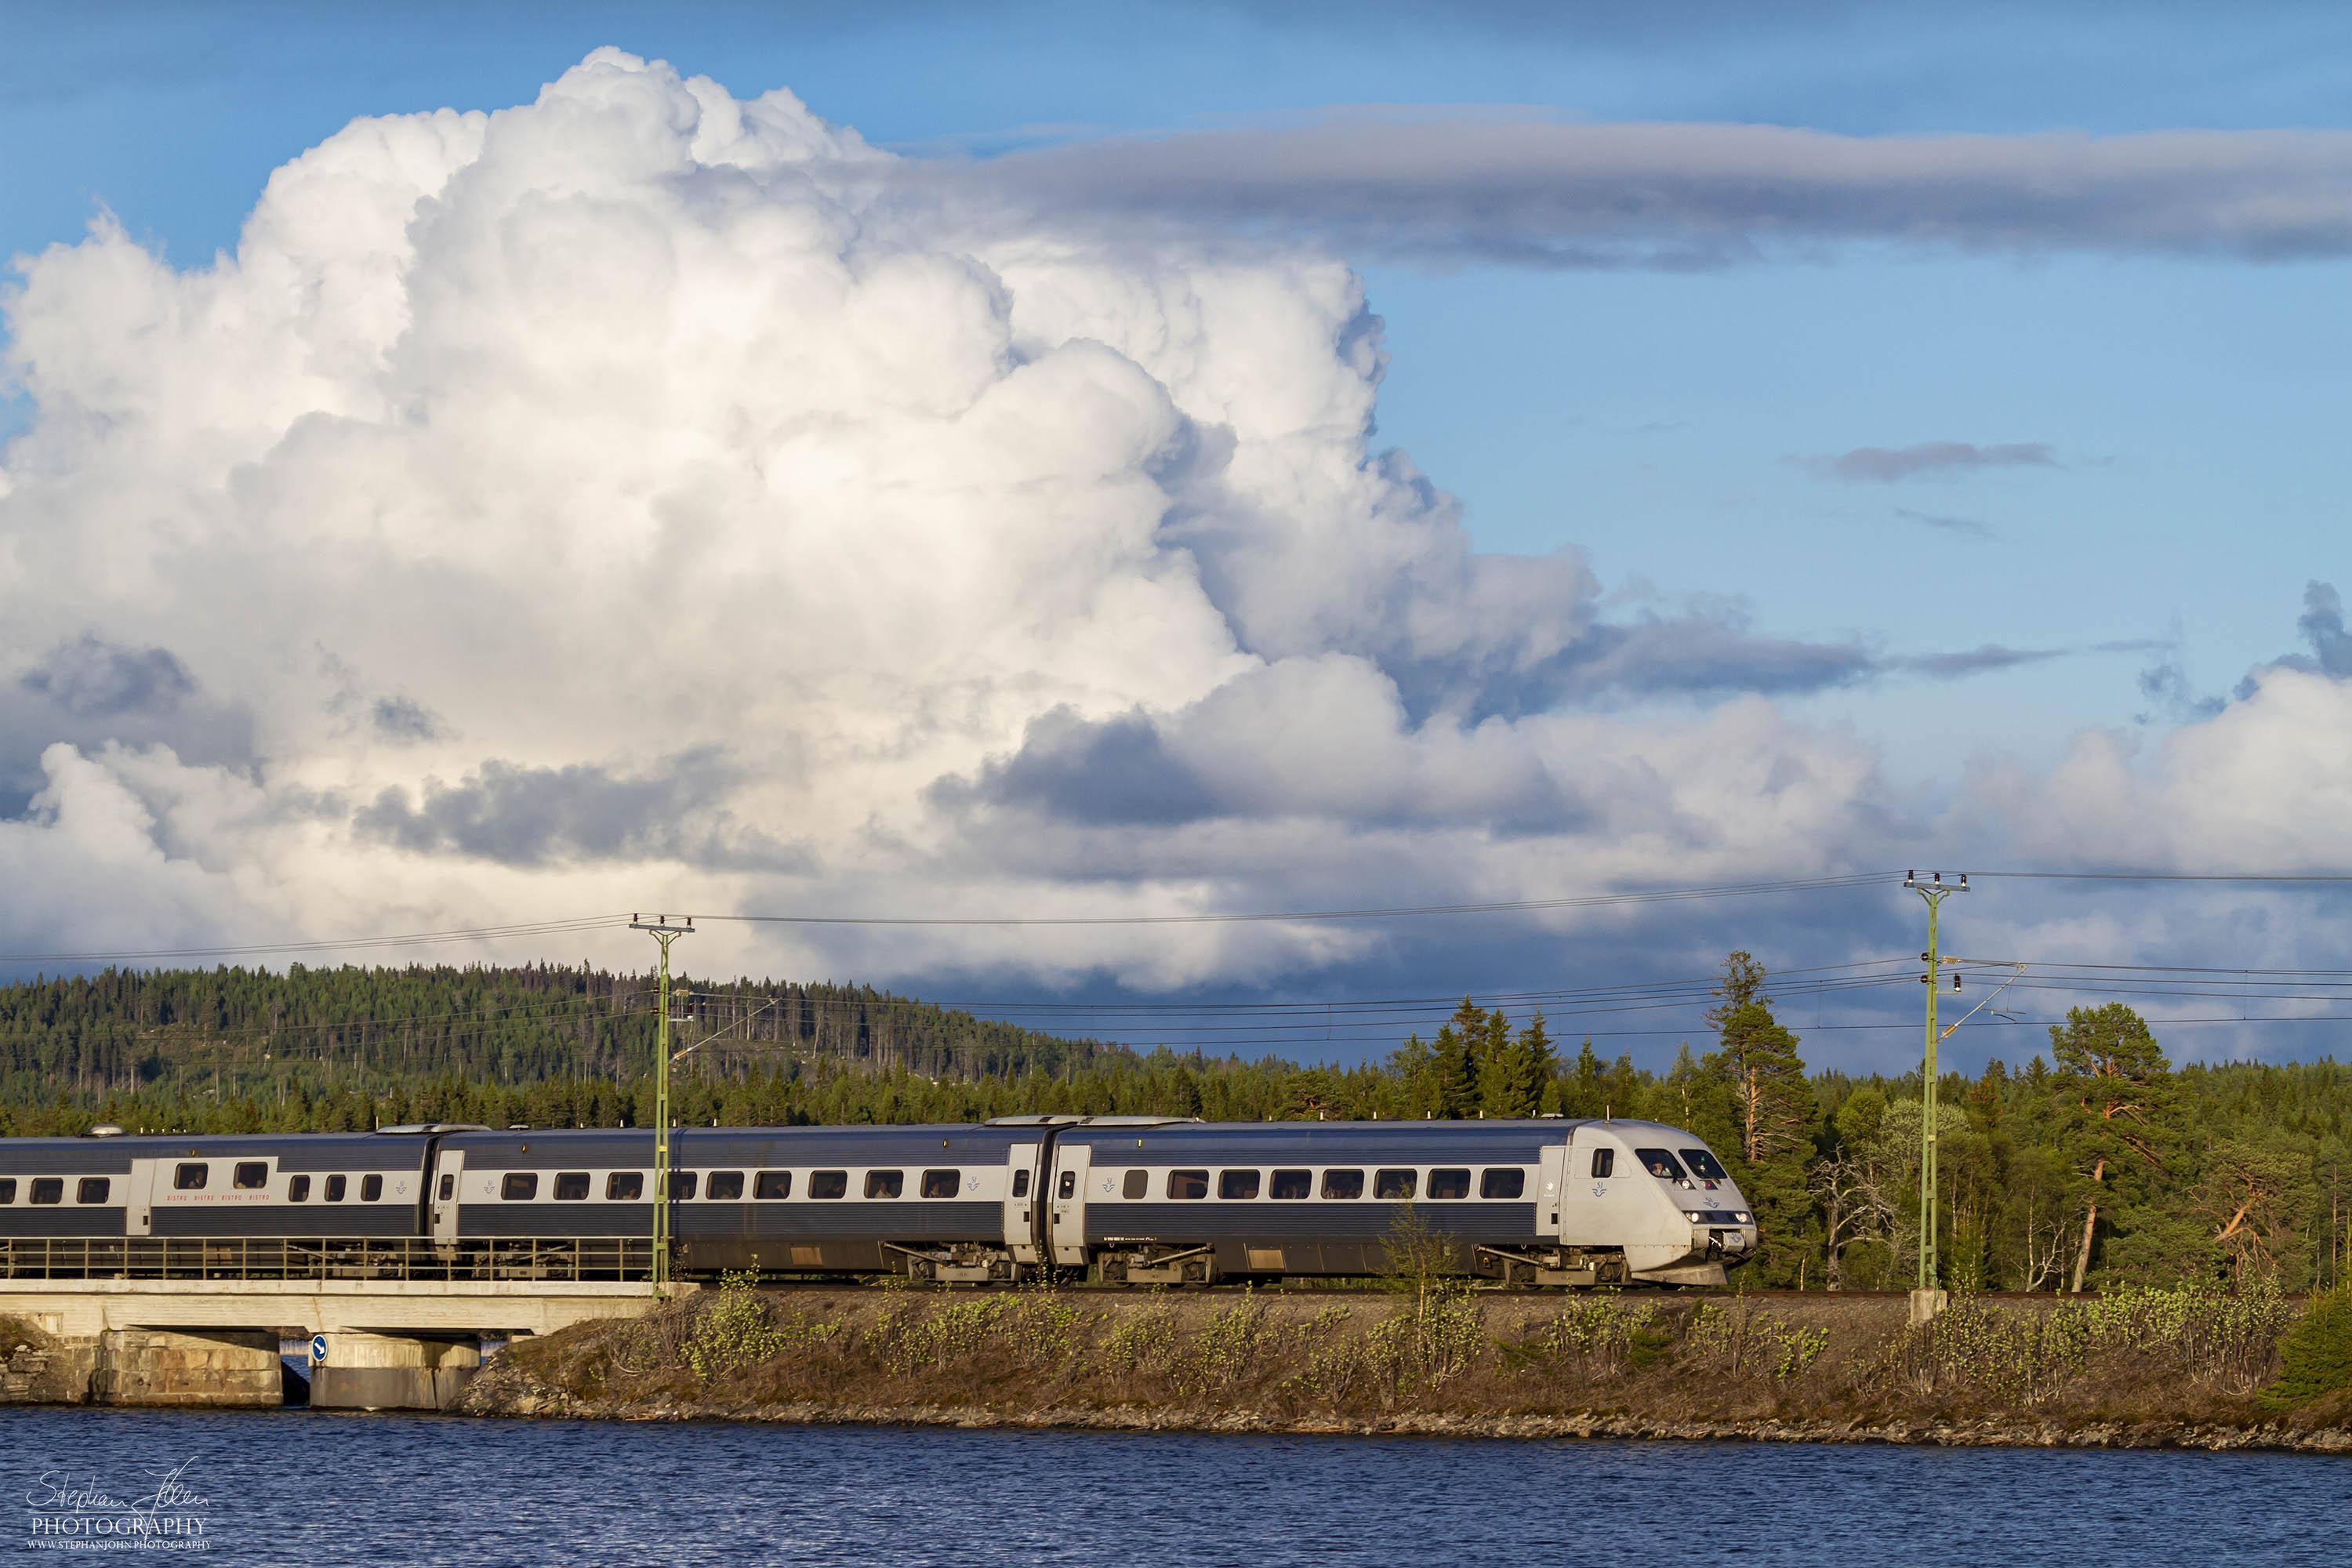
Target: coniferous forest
{"points": [[2094, 1164]]}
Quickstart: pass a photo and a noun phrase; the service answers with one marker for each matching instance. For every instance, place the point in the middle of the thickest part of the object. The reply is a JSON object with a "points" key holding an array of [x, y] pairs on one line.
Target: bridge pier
{"points": [[392, 1372], [210, 1367]]}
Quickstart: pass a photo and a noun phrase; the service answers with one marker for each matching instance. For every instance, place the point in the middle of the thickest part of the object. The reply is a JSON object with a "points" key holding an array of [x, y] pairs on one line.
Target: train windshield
{"points": [[1658, 1163], [1704, 1166]]}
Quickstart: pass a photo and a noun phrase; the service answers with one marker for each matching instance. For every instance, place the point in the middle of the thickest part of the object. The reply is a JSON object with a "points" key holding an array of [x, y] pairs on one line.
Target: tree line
{"points": [[2101, 1164]]}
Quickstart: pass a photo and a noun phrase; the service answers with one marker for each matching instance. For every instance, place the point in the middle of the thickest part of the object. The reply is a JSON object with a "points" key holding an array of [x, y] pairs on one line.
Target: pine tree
{"points": [[1512, 1082]]}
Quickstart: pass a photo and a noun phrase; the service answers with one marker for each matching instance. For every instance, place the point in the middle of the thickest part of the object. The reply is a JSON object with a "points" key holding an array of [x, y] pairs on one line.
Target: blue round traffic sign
{"points": [[317, 1349]]}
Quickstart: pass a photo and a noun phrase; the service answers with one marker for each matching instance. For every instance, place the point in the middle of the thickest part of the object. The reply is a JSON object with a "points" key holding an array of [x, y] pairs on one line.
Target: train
{"points": [[1122, 1200]]}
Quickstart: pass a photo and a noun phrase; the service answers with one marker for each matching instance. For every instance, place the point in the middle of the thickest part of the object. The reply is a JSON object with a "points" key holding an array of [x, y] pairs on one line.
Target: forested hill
{"points": [[2096, 1162]]}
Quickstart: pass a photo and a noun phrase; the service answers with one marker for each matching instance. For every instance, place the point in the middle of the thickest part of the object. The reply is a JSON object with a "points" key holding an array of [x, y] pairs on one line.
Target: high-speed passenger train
{"points": [[1130, 1200]]}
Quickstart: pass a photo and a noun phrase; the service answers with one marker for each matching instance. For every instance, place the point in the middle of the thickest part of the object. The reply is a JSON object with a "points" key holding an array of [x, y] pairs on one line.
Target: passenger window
{"points": [[773, 1185], [335, 1189], [1604, 1161], [1237, 1184], [1019, 1184], [520, 1187], [297, 1189], [828, 1184], [370, 1188], [189, 1178], [942, 1184], [93, 1190], [1291, 1184], [885, 1184], [726, 1186], [1343, 1183], [449, 1187], [1067, 1188], [1502, 1183], [1395, 1185], [1188, 1183], [1449, 1184], [571, 1186], [250, 1175], [8, 1189], [1704, 1166], [625, 1187], [682, 1185], [1136, 1185], [1659, 1164], [48, 1189]]}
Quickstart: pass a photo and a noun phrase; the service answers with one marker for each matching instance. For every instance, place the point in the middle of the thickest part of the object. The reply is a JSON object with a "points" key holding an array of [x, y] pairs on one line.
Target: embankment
{"points": [[2144, 1369]]}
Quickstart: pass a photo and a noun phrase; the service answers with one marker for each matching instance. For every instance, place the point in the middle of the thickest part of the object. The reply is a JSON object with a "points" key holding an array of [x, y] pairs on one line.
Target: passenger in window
{"points": [[297, 1189], [1343, 1183], [335, 1189], [190, 1178], [1660, 1163], [682, 1185], [942, 1184], [571, 1186], [251, 1174], [625, 1187], [1238, 1185], [1288, 1185], [726, 1186], [1396, 1185], [773, 1185], [828, 1184], [885, 1184], [93, 1190]]}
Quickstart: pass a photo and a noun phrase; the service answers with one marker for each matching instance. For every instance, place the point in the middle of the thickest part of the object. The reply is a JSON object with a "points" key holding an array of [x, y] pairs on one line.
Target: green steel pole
{"points": [[1927, 1269]]}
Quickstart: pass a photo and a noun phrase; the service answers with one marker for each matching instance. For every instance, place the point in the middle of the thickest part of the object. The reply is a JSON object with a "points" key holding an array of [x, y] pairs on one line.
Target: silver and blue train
{"points": [[1129, 1200]]}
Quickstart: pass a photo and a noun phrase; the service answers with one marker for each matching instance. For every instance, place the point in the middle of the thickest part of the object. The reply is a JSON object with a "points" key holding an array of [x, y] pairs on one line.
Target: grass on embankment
{"points": [[2136, 1359]]}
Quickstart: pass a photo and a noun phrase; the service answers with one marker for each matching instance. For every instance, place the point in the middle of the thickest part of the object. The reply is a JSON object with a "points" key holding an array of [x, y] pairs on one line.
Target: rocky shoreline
{"points": [[506, 1389]]}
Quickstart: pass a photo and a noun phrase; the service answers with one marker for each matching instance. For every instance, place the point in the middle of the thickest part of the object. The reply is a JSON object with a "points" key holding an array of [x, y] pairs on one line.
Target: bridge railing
{"points": [[589, 1258]]}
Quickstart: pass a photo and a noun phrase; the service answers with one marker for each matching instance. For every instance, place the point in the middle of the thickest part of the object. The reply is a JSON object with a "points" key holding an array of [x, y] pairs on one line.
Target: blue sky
{"points": [[2168, 471]]}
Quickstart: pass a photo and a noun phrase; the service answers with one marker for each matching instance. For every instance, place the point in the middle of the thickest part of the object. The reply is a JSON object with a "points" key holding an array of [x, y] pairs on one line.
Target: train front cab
{"points": [[1640, 1202]]}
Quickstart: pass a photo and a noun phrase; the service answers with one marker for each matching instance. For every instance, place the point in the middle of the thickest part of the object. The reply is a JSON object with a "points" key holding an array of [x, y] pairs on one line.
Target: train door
{"points": [[1551, 1186], [1021, 1200], [138, 1198], [449, 1169], [1071, 1162]]}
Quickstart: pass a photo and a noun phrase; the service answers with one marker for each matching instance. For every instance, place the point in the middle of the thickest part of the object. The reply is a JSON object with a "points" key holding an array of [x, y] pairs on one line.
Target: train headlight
{"points": [[1744, 1217], [1694, 1216]]}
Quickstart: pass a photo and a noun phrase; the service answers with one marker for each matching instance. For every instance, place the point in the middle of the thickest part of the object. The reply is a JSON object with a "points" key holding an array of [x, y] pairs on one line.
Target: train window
{"points": [[1068, 1185], [1449, 1184], [1291, 1184], [1502, 1183], [828, 1184], [335, 1189], [250, 1175], [885, 1184], [682, 1185], [449, 1187], [93, 1190], [625, 1187], [1704, 1166], [1019, 1184], [1604, 1161], [370, 1188], [297, 1189], [726, 1186], [190, 1178], [1343, 1183], [1394, 1184], [773, 1185], [1188, 1183], [8, 1189], [1237, 1184], [48, 1189], [1136, 1185], [942, 1184], [571, 1186], [520, 1187], [1659, 1164]]}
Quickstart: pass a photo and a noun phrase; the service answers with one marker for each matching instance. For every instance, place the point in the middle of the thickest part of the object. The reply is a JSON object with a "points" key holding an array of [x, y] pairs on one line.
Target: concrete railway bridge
{"points": [[190, 1321]]}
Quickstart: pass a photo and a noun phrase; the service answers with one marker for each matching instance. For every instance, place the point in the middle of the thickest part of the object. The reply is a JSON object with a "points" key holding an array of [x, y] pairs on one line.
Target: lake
{"points": [[320, 1488]]}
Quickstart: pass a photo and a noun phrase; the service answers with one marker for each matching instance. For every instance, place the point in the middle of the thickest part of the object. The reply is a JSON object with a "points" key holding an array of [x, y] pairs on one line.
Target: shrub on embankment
{"points": [[1303, 1358]]}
